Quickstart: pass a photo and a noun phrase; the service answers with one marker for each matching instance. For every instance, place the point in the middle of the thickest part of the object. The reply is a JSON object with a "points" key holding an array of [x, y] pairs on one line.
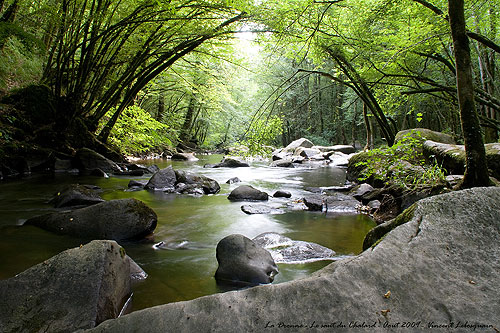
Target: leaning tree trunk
{"points": [[476, 171]]}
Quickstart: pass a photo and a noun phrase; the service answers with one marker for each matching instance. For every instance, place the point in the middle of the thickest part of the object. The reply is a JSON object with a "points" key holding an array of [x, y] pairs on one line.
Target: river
{"points": [[191, 226]]}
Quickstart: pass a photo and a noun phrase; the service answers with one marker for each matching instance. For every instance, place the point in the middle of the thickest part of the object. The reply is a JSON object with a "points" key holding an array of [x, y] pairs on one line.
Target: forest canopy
{"points": [[215, 74]]}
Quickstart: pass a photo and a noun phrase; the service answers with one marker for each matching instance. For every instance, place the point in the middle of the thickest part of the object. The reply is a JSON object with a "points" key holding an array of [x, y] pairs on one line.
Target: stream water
{"points": [[191, 226]]}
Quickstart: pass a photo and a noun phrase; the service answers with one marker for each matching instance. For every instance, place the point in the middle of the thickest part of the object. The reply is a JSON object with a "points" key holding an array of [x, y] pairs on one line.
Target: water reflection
{"points": [[186, 272]]}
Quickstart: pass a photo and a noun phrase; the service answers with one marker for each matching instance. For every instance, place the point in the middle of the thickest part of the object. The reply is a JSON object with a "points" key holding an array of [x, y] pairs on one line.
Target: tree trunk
{"points": [[476, 171], [368, 126]]}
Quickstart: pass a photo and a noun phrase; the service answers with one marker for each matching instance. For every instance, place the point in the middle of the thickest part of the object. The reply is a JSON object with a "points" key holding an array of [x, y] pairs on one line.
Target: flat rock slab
{"points": [[289, 251], [76, 289], [440, 267], [261, 209]]}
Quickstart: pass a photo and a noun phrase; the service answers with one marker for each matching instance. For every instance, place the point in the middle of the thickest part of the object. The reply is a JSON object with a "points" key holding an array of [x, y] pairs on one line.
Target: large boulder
{"points": [[302, 142], [241, 261], [452, 157], [120, 219], [247, 192], [77, 195], [88, 160], [76, 289], [438, 268], [207, 185], [423, 134], [162, 180]]}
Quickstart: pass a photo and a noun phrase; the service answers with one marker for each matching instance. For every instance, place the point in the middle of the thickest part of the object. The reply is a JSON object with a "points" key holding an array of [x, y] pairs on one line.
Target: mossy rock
{"points": [[452, 157], [424, 134], [355, 169]]}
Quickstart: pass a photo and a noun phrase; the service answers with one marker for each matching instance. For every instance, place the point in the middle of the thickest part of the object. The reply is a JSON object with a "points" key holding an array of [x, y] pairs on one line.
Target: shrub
{"points": [[402, 164]]}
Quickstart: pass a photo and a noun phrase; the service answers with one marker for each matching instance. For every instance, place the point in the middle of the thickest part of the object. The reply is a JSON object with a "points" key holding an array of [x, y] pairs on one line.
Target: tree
{"points": [[476, 172]]}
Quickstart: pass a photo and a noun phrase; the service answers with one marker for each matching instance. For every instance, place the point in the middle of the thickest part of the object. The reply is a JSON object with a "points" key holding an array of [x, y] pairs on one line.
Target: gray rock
{"points": [[440, 266], [77, 195], [282, 194], [280, 154], [153, 168], [192, 189], [306, 152], [115, 219], [362, 190], [164, 179], [207, 185], [339, 159], [87, 159], [76, 289], [261, 209], [241, 261], [286, 250], [247, 192], [256, 209], [374, 204], [233, 180]]}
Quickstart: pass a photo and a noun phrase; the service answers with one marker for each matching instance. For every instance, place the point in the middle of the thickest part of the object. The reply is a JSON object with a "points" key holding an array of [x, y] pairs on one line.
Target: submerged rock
{"points": [[76, 289], [120, 219], [247, 192], [261, 209], [286, 250], [77, 195], [421, 262], [241, 261]]}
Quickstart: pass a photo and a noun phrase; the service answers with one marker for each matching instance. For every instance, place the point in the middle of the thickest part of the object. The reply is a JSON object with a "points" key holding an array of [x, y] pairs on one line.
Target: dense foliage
{"points": [[331, 71]]}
